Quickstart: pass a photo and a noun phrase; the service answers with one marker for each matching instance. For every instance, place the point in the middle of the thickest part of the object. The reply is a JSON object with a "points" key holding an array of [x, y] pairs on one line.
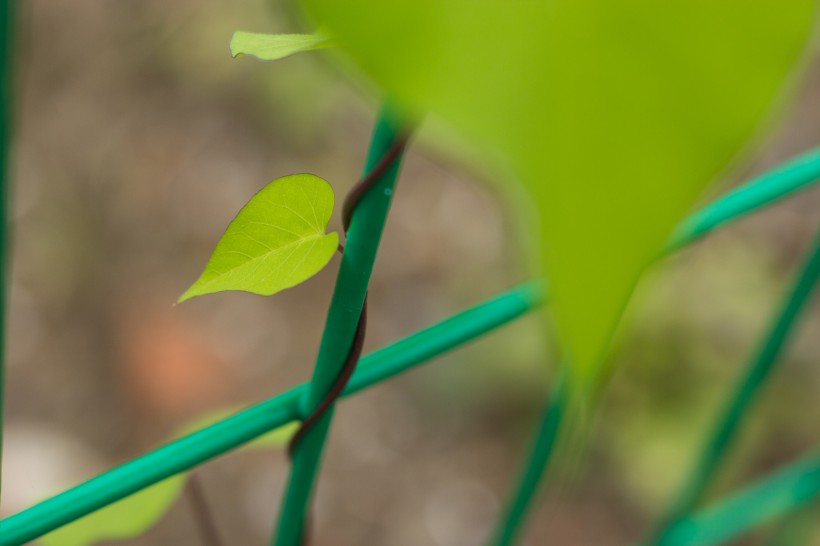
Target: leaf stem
{"points": [[203, 515]]}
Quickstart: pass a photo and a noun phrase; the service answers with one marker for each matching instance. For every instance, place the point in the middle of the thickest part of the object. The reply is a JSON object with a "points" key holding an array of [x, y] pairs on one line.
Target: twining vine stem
{"points": [[351, 201], [203, 515]]}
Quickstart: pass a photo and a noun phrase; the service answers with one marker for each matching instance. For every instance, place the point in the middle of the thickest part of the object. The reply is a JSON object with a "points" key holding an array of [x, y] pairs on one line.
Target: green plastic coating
{"points": [[758, 370], [766, 189], [366, 226], [244, 426], [774, 496], [5, 124]]}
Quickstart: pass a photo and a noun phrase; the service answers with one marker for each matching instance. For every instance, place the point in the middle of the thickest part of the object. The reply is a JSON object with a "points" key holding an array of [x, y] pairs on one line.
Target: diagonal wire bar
{"points": [[231, 432], [753, 379], [768, 188], [776, 495], [244, 426]]}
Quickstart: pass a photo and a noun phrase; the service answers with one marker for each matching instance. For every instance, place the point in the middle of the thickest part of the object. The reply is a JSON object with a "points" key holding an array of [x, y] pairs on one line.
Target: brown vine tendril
{"points": [[362, 186], [339, 383], [351, 201]]}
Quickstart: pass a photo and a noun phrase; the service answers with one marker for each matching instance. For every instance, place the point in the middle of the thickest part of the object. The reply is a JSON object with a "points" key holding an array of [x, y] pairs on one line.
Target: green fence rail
{"points": [[246, 425], [771, 497]]}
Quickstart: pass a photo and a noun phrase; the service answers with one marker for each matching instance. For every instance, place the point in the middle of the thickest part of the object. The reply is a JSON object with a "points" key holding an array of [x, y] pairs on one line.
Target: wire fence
{"points": [[686, 523]]}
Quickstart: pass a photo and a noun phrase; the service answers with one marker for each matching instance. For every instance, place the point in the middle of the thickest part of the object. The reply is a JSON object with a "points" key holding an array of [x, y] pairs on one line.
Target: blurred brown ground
{"points": [[139, 139]]}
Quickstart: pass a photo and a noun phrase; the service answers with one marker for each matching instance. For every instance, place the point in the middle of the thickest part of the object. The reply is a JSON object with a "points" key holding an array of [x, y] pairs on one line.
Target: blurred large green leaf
{"points": [[614, 114], [276, 241], [134, 515]]}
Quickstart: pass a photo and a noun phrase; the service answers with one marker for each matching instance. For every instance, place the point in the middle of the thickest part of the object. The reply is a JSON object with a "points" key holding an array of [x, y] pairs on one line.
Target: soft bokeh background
{"points": [[139, 139]]}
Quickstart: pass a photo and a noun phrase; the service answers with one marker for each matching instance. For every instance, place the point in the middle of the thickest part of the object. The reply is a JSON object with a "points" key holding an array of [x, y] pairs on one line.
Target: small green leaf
{"points": [[276, 241], [272, 47], [134, 515]]}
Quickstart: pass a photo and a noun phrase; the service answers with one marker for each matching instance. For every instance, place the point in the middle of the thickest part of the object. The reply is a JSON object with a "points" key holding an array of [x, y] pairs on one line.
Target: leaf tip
{"points": [[188, 294]]}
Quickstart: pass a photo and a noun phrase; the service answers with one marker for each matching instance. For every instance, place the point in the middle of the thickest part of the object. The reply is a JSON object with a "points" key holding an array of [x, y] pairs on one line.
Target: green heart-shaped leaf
{"points": [[276, 241], [614, 114], [272, 47]]}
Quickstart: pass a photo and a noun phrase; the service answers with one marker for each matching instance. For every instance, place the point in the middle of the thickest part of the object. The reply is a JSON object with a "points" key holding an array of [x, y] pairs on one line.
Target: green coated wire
{"points": [[244, 426], [233, 431], [755, 375], [766, 189], [540, 455], [772, 186], [776, 495], [359, 255], [5, 123]]}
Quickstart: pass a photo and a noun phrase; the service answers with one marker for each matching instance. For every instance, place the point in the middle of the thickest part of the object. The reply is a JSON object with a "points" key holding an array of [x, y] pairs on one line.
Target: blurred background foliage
{"points": [[139, 138]]}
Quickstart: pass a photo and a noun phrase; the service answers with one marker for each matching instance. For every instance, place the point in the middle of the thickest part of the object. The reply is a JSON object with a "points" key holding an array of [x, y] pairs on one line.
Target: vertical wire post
{"points": [[5, 138], [361, 246]]}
